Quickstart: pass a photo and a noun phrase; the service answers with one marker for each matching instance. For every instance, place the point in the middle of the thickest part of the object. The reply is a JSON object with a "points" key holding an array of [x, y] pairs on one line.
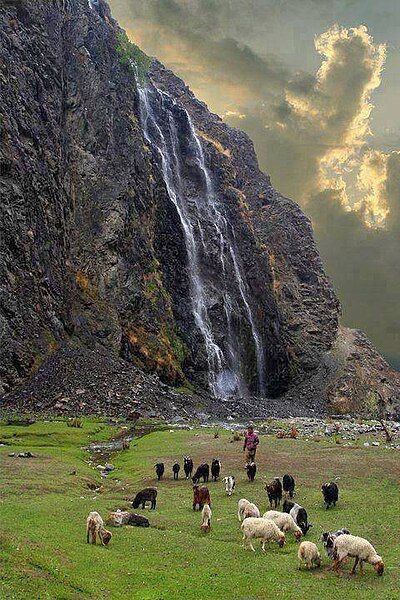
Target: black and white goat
{"points": [[330, 491], [328, 538], [188, 466], [299, 515], [229, 484], [251, 469]]}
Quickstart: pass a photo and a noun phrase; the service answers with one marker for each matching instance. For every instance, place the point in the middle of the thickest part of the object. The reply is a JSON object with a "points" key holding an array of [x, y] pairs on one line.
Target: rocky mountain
{"points": [[145, 258]]}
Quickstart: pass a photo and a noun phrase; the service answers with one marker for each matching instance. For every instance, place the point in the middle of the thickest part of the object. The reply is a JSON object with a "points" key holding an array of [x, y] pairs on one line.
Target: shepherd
{"points": [[251, 442]]}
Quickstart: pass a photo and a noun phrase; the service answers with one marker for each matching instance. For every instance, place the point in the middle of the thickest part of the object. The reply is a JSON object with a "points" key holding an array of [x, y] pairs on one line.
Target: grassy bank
{"points": [[43, 552]]}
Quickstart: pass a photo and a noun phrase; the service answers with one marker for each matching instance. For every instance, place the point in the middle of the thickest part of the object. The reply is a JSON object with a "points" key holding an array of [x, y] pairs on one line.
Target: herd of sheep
{"points": [[273, 525]]}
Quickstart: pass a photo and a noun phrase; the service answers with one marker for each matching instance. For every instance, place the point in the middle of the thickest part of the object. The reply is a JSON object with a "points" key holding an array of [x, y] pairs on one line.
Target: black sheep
{"points": [[251, 469], [188, 466], [274, 492], [137, 520], [299, 515], [215, 469], [202, 471], [288, 485], [330, 492], [160, 470], [146, 495], [175, 469]]}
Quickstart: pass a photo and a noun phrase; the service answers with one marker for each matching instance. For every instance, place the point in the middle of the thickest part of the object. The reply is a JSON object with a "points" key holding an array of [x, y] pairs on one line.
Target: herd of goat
{"points": [[273, 525]]}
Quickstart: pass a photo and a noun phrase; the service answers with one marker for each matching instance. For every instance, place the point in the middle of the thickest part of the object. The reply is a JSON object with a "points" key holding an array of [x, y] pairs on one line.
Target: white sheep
{"points": [[206, 518], [261, 528], [359, 548], [309, 555], [251, 510], [241, 506], [284, 521]]}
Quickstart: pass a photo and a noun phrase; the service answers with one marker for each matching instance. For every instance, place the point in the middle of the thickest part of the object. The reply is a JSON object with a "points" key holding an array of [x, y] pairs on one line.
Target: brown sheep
{"points": [[201, 496]]}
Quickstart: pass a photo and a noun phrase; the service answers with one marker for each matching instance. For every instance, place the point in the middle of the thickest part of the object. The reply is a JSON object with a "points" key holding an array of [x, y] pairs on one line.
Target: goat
{"points": [[251, 469], [201, 496], [188, 466], [146, 495], [215, 469], [202, 471], [159, 470], [288, 485], [274, 492], [206, 518], [175, 469], [298, 513], [229, 484], [330, 492]]}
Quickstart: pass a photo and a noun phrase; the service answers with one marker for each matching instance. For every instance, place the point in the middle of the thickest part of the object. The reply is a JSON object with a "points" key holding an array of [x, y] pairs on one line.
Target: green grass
{"points": [[43, 551], [129, 53]]}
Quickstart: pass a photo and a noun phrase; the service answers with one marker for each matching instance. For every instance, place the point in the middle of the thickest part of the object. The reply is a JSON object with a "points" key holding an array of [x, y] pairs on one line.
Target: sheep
{"points": [[261, 528], [187, 466], [330, 492], [288, 485], [328, 538], [124, 517], [95, 527], [146, 495], [229, 484], [201, 496], [206, 518], [274, 492], [251, 469], [241, 506], [298, 513], [215, 469], [159, 470], [202, 471], [284, 521], [359, 548], [251, 510], [309, 555], [175, 469]]}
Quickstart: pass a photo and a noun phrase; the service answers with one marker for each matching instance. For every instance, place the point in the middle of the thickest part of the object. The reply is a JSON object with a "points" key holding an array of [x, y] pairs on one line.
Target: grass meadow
{"points": [[43, 509]]}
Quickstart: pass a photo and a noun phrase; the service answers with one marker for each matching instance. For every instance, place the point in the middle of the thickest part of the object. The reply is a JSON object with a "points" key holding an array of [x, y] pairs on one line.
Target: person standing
{"points": [[251, 442]]}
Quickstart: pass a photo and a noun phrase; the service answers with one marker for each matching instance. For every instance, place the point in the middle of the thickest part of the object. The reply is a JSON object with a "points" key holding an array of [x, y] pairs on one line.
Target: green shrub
{"points": [[131, 55]]}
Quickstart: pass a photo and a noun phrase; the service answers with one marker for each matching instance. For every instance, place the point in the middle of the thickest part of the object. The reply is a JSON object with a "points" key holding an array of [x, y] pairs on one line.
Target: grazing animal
{"points": [[206, 518], [359, 548], [263, 529], [274, 492], [309, 555], [298, 513], [215, 469], [285, 522], [188, 466], [328, 538], [160, 468], [229, 484], [241, 506], [330, 492], [146, 495], [95, 527], [125, 444], [201, 496], [251, 469], [124, 517], [251, 510], [175, 469], [202, 471], [288, 485]]}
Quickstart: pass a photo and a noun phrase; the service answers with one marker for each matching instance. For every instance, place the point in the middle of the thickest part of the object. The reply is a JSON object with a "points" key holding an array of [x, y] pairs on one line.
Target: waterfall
{"points": [[203, 224]]}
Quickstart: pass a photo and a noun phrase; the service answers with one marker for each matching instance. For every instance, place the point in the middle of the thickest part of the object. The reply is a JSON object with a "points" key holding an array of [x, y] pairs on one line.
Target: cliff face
{"points": [[137, 226]]}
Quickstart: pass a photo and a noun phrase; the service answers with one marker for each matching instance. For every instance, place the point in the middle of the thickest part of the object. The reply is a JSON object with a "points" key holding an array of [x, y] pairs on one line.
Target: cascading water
{"points": [[162, 122]]}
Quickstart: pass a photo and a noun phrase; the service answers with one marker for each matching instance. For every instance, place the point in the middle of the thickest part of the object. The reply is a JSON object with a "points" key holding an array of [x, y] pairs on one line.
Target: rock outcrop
{"points": [[136, 227]]}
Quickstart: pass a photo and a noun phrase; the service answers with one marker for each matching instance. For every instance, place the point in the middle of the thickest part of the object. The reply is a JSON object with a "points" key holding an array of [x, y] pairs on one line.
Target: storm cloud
{"points": [[310, 116]]}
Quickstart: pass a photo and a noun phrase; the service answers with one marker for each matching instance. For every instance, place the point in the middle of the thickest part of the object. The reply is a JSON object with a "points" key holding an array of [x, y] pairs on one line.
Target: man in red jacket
{"points": [[251, 442]]}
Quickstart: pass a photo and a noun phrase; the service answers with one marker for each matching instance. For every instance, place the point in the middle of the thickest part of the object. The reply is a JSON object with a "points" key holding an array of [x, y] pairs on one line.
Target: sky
{"points": [[315, 83]]}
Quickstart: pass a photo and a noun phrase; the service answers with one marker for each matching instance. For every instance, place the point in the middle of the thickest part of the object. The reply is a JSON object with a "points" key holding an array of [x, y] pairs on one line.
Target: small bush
{"points": [[75, 422], [131, 55]]}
